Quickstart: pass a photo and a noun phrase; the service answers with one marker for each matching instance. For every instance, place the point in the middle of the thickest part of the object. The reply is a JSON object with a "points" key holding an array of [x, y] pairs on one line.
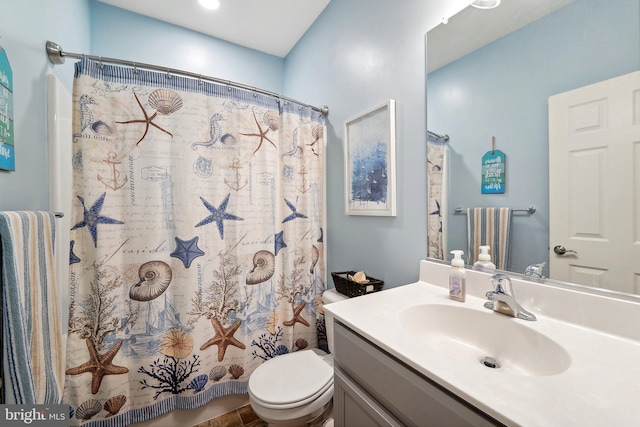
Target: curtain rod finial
{"points": [[54, 52], [324, 110]]}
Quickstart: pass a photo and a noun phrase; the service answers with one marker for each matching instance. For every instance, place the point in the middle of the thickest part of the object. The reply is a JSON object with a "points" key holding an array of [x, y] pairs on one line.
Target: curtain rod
{"points": [[56, 56], [434, 137]]}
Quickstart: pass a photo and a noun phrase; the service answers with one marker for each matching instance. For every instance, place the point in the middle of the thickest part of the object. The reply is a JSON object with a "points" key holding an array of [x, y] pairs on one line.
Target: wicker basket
{"points": [[354, 289]]}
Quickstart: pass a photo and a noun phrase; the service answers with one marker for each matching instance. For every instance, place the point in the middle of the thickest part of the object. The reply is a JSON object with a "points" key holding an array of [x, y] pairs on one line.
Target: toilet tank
{"points": [[330, 296]]}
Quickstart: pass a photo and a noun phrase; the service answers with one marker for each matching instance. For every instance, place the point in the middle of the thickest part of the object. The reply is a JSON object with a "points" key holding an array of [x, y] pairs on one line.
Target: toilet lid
{"points": [[291, 380]]}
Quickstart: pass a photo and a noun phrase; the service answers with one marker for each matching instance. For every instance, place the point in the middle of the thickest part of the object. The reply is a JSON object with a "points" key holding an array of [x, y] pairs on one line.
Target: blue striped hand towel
{"points": [[491, 227]]}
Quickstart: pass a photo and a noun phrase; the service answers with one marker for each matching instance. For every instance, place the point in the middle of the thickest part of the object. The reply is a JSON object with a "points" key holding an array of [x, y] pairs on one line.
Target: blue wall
{"points": [[358, 54], [25, 27], [502, 90]]}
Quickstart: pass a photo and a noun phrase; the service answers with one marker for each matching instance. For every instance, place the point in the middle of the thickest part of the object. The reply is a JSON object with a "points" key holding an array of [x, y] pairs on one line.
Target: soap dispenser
{"points": [[484, 261], [456, 277]]}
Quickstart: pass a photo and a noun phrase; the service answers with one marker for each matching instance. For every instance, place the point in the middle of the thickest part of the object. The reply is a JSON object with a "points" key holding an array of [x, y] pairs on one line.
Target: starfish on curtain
{"points": [[279, 242], [295, 214], [223, 338], [99, 365], [73, 258], [262, 134], [297, 317], [187, 250], [92, 218], [218, 215], [147, 121]]}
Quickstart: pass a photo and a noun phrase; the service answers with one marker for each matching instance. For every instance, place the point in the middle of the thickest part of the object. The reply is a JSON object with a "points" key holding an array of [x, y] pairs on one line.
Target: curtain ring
{"points": [[101, 64], [200, 82], [168, 75], [135, 68]]}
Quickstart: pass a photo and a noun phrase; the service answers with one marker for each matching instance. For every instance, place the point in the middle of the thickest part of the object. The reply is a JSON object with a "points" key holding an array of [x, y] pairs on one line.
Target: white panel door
{"points": [[594, 184]]}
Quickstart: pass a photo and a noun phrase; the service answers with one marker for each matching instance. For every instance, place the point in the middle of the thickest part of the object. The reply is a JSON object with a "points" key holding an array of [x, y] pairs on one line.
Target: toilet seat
{"points": [[270, 385]]}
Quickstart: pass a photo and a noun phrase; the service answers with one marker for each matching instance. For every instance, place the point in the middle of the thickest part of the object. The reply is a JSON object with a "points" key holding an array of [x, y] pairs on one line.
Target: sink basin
{"points": [[483, 338]]}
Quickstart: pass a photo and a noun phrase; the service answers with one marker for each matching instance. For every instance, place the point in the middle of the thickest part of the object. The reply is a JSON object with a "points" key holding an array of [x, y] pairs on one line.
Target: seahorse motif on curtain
{"points": [[197, 246]]}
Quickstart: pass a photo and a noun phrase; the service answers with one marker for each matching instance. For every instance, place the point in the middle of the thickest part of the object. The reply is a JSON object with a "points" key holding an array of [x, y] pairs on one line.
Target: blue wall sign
{"points": [[7, 154], [493, 167]]}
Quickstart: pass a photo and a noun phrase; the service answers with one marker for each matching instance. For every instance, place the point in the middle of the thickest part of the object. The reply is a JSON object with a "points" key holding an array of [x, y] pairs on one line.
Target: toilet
{"points": [[296, 389]]}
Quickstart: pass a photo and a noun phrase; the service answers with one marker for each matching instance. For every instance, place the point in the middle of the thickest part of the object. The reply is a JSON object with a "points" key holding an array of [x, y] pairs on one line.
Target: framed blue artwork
{"points": [[370, 162]]}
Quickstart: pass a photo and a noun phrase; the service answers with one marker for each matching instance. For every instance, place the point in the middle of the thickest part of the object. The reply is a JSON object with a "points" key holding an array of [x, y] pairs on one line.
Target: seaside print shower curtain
{"points": [[436, 152], [197, 240]]}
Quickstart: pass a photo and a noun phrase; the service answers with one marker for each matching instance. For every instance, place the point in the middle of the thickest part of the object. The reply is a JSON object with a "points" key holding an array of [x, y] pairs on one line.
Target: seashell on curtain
{"points": [[264, 265]]}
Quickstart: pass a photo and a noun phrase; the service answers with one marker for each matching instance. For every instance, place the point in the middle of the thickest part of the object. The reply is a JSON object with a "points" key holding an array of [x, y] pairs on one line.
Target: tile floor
{"points": [[243, 417]]}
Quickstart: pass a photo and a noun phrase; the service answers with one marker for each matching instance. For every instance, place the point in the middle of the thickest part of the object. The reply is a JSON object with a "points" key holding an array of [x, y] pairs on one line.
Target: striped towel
{"points": [[489, 227], [34, 369]]}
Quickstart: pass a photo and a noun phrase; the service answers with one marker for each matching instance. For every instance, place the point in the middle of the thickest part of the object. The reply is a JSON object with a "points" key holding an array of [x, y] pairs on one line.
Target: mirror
{"points": [[490, 74]]}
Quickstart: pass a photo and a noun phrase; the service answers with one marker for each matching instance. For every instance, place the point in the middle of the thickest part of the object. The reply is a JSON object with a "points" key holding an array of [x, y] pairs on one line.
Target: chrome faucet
{"points": [[533, 272], [502, 300]]}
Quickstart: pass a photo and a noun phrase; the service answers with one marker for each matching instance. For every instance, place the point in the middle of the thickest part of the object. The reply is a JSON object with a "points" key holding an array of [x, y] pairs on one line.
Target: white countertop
{"points": [[601, 387]]}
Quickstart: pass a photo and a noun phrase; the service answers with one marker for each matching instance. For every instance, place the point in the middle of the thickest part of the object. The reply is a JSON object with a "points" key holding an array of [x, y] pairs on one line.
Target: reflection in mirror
{"points": [[560, 284], [500, 88]]}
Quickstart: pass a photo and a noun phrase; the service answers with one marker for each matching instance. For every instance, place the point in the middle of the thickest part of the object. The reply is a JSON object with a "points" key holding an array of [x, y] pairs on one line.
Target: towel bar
{"points": [[530, 210]]}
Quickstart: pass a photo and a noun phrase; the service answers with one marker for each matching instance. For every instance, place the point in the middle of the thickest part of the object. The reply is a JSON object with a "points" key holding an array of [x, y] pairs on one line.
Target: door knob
{"points": [[560, 250]]}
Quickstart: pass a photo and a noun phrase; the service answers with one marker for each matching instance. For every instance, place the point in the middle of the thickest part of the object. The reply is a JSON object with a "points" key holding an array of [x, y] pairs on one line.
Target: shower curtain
{"points": [[197, 240], [437, 197]]}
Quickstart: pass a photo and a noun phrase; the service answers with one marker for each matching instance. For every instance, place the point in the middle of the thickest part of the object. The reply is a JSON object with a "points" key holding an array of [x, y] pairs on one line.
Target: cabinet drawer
{"points": [[408, 395], [353, 407]]}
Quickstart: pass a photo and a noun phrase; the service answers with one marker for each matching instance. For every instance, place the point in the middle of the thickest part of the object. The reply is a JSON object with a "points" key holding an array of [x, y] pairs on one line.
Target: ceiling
{"points": [[473, 28], [275, 26], [272, 26]]}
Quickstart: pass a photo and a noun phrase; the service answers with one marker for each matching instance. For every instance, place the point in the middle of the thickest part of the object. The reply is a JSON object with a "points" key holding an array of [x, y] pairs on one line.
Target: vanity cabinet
{"points": [[371, 387]]}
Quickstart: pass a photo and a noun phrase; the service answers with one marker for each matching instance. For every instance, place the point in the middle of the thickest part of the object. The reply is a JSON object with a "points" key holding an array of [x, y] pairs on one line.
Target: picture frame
{"points": [[370, 162]]}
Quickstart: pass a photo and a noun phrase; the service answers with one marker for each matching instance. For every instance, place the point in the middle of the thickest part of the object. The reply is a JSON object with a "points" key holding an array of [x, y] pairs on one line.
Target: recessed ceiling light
{"points": [[485, 4], [210, 4]]}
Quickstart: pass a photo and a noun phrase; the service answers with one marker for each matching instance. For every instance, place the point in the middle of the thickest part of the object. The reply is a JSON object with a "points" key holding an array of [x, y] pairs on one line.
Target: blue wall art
{"points": [[369, 153]]}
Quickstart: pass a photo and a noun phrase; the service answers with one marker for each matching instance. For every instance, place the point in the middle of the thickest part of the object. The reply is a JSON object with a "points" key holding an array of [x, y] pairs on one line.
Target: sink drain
{"points": [[490, 362]]}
